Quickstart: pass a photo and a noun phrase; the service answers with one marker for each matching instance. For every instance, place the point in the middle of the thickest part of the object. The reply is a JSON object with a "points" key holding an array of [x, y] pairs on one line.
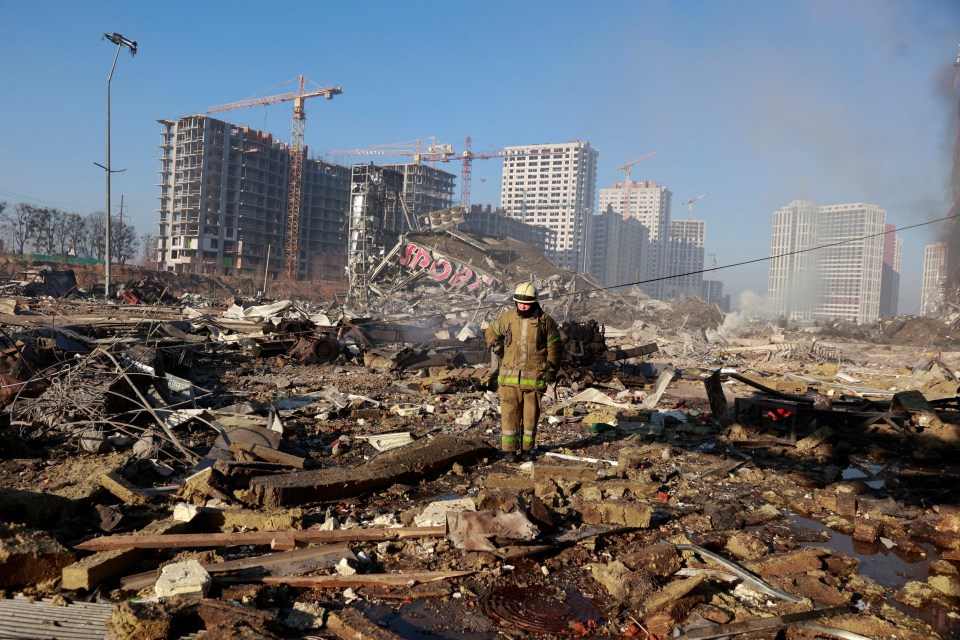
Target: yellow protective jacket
{"points": [[530, 346]]}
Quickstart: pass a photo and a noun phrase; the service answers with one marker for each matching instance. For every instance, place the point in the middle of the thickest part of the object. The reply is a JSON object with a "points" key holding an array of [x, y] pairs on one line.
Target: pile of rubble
{"points": [[277, 470]]}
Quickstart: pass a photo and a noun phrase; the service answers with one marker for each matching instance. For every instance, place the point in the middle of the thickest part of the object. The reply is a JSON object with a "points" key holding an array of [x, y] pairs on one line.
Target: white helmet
{"points": [[525, 293]]}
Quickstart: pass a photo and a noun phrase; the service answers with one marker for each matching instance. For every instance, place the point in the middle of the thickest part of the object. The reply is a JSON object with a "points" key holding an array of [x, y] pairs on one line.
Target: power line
{"points": [[755, 260], [32, 200]]}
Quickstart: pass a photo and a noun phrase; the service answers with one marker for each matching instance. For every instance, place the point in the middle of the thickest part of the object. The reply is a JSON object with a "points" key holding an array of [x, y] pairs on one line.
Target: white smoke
{"points": [[752, 305]]}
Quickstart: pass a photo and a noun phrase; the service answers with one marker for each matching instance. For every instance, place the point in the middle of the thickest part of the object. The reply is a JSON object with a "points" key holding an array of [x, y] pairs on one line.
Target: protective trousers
{"points": [[519, 415]]}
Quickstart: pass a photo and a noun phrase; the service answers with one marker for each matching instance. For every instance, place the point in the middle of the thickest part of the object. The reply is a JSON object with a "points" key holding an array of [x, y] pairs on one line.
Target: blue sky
{"points": [[759, 102]]}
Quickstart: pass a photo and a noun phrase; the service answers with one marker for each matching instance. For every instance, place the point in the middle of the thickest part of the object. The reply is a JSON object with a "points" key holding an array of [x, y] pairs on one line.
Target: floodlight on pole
{"points": [[121, 42]]}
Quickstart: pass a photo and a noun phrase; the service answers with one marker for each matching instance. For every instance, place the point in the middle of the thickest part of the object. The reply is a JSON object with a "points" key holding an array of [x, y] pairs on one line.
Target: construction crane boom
{"points": [[291, 263], [466, 172], [626, 168], [625, 200], [698, 198], [418, 149]]}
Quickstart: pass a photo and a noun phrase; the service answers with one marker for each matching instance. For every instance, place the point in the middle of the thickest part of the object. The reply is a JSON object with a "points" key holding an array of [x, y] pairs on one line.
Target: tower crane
{"points": [[466, 171], [297, 153], [698, 198], [626, 168]]}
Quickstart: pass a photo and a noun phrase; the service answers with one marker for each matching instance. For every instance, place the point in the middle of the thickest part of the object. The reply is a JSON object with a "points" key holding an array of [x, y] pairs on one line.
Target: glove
{"points": [[497, 347], [550, 376]]}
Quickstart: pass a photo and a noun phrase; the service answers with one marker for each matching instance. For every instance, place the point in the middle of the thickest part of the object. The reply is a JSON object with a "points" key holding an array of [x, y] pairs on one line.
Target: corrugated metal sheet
{"points": [[21, 619]]}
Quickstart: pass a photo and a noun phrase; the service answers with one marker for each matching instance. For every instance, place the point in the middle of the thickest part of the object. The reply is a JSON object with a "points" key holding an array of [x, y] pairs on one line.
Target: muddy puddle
{"points": [[882, 565], [431, 620]]}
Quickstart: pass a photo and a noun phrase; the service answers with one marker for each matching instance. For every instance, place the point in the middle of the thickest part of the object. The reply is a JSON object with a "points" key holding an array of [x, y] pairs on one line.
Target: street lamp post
{"points": [[121, 42]]}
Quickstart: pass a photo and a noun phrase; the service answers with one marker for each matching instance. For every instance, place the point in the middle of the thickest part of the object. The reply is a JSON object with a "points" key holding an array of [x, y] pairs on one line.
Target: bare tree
{"points": [[149, 256], [16, 223], [94, 238], [69, 229], [124, 242], [44, 224], [3, 208]]}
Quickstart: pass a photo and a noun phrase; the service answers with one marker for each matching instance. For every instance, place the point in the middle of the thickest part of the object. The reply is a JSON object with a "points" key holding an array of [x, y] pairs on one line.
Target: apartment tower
{"points": [[649, 203], [685, 246], [827, 262], [553, 186], [933, 286], [890, 280], [615, 246]]}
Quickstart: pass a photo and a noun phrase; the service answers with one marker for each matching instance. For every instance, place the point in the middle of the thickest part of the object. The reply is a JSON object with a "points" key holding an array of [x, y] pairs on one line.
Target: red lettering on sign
{"points": [[461, 277], [441, 270]]}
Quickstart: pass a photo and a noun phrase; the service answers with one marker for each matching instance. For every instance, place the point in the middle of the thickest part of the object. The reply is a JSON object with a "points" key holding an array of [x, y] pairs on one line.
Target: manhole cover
{"points": [[541, 609]]}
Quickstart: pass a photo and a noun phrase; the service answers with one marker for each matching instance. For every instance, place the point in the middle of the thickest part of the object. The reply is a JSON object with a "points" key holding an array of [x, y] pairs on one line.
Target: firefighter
{"points": [[527, 341]]}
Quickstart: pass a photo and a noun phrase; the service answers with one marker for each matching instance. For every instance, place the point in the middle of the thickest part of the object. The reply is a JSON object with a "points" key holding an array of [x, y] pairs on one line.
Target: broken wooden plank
{"points": [[410, 464], [276, 539], [118, 486], [288, 562], [268, 454], [370, 579], [350, 624], [92, 570]]}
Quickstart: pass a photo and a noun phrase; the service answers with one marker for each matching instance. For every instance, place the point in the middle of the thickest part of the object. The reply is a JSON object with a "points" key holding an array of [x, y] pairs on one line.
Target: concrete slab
{"points": [[423, 459]]}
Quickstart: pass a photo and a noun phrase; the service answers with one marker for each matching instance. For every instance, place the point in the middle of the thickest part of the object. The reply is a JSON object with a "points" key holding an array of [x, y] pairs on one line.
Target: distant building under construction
{"points": [[223, 202]]}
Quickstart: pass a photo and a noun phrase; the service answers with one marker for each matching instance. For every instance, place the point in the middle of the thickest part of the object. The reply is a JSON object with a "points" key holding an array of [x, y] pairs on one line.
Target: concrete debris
{"points": [[182, 579], [282, 466]]}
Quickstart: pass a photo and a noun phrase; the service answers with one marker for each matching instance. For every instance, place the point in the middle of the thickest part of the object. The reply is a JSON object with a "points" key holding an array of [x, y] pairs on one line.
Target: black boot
{"points": [[517, 456]]}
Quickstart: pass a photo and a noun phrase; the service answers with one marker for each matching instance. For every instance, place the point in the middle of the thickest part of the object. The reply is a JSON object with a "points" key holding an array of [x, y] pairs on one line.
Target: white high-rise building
{"points": [[649, 203], [827, 261], [553, 186], [934, 279]]}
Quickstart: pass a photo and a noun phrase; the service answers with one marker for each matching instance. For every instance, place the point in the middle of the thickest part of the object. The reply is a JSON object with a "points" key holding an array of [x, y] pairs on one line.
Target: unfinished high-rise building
{"points": [[425, 189], [553, 186], [223, 203]]}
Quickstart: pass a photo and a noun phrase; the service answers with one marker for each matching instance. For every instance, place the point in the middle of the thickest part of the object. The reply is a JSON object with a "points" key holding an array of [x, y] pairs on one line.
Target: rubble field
{"points": [[188, 462]]}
